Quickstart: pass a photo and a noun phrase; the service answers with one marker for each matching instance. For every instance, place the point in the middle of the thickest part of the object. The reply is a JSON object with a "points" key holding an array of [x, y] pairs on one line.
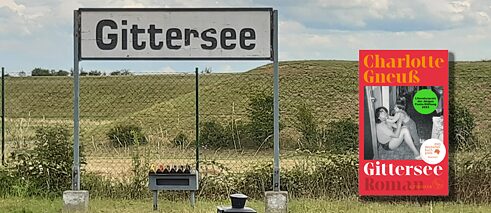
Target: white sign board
{"points": [[215, 33]]}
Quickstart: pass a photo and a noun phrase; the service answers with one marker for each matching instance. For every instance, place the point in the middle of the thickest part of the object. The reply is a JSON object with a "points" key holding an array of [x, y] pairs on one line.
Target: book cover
{"points": [[403, 122]]}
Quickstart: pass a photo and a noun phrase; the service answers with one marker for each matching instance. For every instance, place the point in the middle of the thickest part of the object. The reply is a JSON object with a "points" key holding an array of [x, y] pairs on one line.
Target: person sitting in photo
{"points": [[401, 114], [390, 138], [439, 93]]}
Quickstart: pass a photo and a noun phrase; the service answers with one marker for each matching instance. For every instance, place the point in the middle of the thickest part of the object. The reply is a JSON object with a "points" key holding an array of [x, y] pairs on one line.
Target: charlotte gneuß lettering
{"points": [[227, 38]]}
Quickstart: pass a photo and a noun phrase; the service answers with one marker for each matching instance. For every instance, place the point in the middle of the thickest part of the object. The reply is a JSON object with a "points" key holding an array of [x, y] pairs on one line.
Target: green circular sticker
{"points": [[425, 101]]}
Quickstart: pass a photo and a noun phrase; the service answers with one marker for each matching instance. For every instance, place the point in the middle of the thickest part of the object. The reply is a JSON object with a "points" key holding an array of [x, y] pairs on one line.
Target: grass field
{"points": [[164, 106], [301, 206], [167, 101]]}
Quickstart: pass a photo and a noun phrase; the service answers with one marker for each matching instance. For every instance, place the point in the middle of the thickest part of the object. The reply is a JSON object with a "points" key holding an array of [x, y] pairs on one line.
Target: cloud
{"points": [[168, 69], [10, 4], [384, 15], [39, 33]]}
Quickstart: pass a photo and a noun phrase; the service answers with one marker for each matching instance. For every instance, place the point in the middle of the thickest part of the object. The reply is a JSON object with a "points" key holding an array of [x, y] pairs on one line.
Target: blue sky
{"points": [[38, 33]]}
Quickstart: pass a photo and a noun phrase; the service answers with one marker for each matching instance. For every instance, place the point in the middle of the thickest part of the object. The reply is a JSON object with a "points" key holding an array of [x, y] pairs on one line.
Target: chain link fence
{"points": [[150, 117]]}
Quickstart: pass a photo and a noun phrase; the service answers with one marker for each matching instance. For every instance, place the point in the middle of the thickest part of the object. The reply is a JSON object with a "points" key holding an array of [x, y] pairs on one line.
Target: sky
{"points": [[39, 33]]}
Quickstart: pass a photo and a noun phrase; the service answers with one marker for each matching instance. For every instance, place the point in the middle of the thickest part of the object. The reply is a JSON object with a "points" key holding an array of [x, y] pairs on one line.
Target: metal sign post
{"points": [[276, 110], [76, 98], [175, 34]]}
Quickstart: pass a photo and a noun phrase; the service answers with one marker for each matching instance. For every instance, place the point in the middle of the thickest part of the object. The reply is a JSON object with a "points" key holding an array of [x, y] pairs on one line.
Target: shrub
{"points": [[240, 135], [260, 112], [342, 136], [461, 128], [319, 175], [45, 169], [181, 140], [254, 134], [471, 177], [6, 182], [315, 175], [336, 137], [123, 135], [139, 169], [213, 135], [307, 125]]}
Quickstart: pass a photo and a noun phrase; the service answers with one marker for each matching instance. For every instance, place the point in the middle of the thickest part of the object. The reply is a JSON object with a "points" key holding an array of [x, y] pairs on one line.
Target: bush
{"points": [[240, 135], [181, 140], [45, 169], [260, 112], [319, 175], [254, 134], [342, 136], [461, 128], [337, 137], [6, 182], [213, 135], [315, 175], [308, 126], [235, 135], [123, 135], [472, 175]]}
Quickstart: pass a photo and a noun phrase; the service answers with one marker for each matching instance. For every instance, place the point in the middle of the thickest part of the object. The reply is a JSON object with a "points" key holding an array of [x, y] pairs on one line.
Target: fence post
{"points": [[76, 96], [276, 111], [197, 118], [3, 116]]}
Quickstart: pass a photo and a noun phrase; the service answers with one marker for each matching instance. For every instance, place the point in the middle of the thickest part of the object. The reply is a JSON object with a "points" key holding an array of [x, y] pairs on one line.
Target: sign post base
{"points": [[276, 202]]}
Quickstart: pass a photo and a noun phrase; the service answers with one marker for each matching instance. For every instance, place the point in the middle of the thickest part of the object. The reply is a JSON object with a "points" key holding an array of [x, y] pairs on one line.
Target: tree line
{"points": [[47, 72]]}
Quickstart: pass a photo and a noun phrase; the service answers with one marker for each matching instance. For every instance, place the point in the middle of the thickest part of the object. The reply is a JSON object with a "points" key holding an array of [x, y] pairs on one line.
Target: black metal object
{"points": [[175, 178], [173, 181], [3, 116], [197, 118], [230, 210], [238, 205]]}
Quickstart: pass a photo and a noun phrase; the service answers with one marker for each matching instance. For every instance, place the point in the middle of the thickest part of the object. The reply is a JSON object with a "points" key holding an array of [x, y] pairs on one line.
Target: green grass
{"points": [[302, 206], [329, 86], [164, 104]]}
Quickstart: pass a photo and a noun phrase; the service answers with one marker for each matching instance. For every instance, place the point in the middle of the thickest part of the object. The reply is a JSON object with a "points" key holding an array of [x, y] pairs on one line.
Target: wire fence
{"points": [[157, 111]]}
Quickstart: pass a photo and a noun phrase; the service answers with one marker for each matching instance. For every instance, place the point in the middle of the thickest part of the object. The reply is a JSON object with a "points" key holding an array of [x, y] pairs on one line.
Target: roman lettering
{"points": [[369, 184], [390, 76], [187, 36], [408, 170], [111, 36], [438, 170], [368, 76], [247, 34], [227, 34], [368, 61], [417, 171], [391, 63], [377, 168], [426, 170], [375, 61], [367, 168], [124, 35], [438, 61], [134, 32], [153, 31], [212, 40], [413, 77], [415, 62], [379, 185], [155, 37], [399, 169], [382, 169], [171, 35]]}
